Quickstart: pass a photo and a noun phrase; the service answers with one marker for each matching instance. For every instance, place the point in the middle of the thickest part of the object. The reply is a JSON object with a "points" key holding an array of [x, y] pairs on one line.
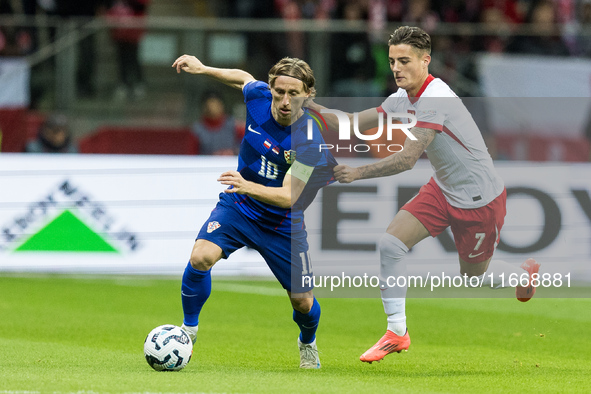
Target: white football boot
{"points": [[309, 355], [191, 332]]}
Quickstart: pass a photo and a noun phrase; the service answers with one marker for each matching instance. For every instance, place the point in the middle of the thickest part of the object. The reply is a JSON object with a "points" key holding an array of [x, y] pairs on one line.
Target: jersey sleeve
{"points": [[310, 162], [429, 115], [390, 104], [255, 90], [307, 150]]}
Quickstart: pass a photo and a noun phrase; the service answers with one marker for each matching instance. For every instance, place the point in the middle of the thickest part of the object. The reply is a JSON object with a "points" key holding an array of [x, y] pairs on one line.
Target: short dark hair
{"points": [[413, 36], [295, 68]]}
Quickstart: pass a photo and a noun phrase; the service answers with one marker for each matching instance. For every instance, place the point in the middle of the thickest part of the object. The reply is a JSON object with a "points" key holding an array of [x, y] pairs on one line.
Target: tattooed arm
{"points": [[393, 164]]}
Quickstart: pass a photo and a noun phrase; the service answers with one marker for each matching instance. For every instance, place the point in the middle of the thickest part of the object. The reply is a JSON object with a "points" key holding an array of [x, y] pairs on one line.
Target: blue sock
{"points": [[308, 322], [195, 290]]}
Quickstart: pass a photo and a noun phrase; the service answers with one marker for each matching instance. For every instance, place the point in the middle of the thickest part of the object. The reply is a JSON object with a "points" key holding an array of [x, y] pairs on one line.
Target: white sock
{"points": [[392, 251], [501, 272], [395, 309]]}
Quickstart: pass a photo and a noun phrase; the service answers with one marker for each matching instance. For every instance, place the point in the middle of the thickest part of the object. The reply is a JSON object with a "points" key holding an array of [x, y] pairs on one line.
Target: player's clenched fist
{"points": [[189, 64], [346, 174]]}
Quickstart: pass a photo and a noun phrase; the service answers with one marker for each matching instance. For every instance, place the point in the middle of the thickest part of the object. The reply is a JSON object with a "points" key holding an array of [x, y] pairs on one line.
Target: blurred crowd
{"points": [[16, 41], [555, 27], [502, 17], [357, 58]]}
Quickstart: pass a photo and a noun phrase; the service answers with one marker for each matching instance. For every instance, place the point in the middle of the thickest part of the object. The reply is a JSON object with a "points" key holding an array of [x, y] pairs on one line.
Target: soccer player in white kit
{"points": [[465, 192]]}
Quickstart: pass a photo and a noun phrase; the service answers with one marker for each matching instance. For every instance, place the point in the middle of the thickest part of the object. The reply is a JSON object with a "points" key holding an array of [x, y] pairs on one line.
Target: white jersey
{"points": [[463, 167]]}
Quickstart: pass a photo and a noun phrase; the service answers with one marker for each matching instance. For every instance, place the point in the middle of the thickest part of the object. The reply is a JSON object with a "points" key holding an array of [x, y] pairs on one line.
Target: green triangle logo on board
{"points": [[66, 233]]}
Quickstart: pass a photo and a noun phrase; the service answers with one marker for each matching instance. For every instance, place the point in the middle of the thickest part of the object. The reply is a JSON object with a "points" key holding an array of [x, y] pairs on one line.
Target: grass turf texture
{"points": [[66, 334]]}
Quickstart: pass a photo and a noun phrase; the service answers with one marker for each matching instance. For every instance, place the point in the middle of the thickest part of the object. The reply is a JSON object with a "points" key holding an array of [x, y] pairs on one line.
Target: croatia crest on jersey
{"points": [[289, 156], [212, 226]]}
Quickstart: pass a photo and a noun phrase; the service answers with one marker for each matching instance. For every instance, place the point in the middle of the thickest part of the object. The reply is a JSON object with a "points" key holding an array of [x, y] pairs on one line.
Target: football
{"points": [[168, 348]]}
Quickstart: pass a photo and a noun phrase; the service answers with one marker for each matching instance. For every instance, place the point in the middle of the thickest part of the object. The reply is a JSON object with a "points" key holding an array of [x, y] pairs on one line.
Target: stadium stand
{"points": [[155, 141], [12, 129]]}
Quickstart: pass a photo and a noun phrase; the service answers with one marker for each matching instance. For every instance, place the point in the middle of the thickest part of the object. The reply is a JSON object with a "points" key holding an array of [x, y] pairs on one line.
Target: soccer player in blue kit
{"points": [[264, 204]]}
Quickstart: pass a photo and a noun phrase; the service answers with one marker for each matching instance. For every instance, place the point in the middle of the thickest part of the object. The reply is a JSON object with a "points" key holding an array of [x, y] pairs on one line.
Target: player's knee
{"points": [[302, 302], [391, 246], [201, 261], [302, 305], [383, 245]]}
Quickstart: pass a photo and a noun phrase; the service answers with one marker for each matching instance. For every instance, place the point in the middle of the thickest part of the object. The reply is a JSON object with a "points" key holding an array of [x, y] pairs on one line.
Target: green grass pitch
{"points": [[83, 334]]}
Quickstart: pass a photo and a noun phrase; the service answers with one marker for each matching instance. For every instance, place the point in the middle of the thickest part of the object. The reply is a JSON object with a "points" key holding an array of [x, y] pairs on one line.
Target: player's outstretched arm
{"points": [[284, 196], [393, 164], [367, 119], [233, 77]]}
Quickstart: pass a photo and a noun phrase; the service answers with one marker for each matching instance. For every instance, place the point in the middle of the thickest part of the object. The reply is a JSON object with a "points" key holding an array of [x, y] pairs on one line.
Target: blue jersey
{"points": [[266, 153]]}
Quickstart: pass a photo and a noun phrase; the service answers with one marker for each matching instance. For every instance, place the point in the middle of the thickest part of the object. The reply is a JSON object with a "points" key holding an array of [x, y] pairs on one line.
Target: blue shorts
{"points": [[285, 254]]}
